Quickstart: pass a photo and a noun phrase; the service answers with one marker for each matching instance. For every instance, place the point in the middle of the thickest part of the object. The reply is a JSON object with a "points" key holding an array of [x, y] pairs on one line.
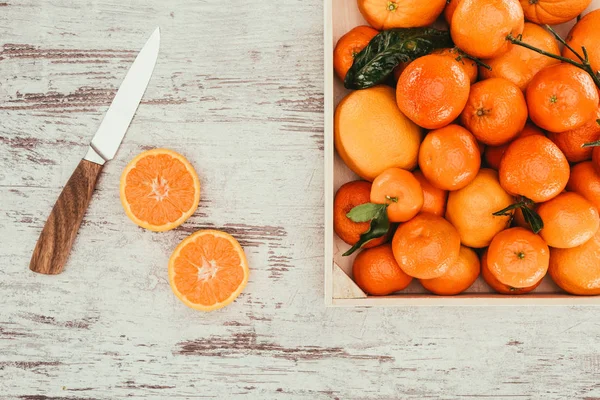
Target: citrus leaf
{"points": [[380, 225], [388, 49], [365, 212], [533, 219]]}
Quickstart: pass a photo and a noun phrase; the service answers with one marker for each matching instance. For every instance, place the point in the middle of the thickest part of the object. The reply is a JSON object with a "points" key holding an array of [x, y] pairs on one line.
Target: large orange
{"points": [[449, 157], [208, 270], [433, 90], [401, 191], [569, 220], [496, 111], [377, 273], [471, 209], [585, 180], [577, 270], [386, 14], [426, 246], [459, 277], [518, 257], [372, 135], [468, 65], [519, 64], [498, 286], [348, 196], [534, 167], [480, 27], [571, 142], [493, 154], [159, 190], [562, 97], [553, 12], [349, 46], [586, 33], [434, 199]]}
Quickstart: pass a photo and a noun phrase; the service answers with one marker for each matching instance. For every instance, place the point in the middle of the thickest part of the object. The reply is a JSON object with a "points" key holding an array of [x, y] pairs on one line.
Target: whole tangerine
{"points": [[518, 257], [433, 90], [534, 167], [426, 246]]}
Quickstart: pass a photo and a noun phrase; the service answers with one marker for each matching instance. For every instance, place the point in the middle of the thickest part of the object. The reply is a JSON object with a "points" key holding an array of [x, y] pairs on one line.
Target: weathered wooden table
{"points": [[238, 90]]}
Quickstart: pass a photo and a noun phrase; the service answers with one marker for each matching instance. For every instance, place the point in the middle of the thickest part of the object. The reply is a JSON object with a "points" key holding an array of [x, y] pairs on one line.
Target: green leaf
{"points": [[507, 211], [388, 49], [533, 219], [380, 225], [365, 212], [592, 144]]}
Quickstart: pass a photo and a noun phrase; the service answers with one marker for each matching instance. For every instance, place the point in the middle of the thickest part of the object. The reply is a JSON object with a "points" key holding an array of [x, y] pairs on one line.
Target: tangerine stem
{"points": [[586, 67], [564, 42], [592, 144]]}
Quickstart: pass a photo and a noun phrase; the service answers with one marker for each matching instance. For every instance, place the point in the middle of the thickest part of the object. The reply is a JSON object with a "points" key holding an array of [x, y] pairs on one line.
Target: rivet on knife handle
{"points": [[57, 237]]}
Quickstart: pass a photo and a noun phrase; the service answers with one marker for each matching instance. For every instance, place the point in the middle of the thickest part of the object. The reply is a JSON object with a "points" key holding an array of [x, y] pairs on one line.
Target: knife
{"points": [[57, 237]]}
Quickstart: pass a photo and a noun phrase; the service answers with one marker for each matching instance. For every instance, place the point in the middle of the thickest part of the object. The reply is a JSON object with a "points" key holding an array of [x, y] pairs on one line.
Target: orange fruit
{"points": [[562, 97], [585, 180], [426, 246], [480, 27], [434, 199], [349, 46], [469, 66], [577, 270], [401, 191], [386, 14], [372, 135], [433, 90], [449, 10], [471, 209], [585, 33], [493, 154], [553, 12], [519, 65], [571, 142], [377, 273], [534, 167], [208, 270], [496, 111], [518, 257], [449, 157], [159, 190], [569, 220], [459, 277], [348, 196], [498, 286]]}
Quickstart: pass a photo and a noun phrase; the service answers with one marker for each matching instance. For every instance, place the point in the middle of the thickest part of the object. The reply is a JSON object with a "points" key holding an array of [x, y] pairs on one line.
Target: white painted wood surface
{"points": [[237, 89]]}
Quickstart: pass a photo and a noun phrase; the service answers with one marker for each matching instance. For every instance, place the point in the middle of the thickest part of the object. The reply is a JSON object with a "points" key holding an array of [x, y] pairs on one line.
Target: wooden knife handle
{"points": [[57, 237]]}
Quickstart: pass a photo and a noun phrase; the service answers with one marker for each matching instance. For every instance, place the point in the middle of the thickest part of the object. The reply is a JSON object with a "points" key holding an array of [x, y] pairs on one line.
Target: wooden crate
{"points": [[340, 290]]}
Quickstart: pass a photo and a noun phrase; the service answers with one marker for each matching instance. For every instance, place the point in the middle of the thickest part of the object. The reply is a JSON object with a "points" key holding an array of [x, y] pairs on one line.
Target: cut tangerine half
{"points": [[159, 190], [208, 270]]}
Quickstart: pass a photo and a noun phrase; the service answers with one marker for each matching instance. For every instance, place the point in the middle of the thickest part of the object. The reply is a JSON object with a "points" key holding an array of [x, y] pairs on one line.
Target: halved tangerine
{"points": [[159, 190], [208, 270]]}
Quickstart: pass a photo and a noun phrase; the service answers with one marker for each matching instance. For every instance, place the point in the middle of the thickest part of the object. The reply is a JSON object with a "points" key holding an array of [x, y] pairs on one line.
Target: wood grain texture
{"points": [[54, 244], [238, 89]]}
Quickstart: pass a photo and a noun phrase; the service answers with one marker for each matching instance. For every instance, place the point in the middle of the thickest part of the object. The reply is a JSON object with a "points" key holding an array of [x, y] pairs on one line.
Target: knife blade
{"points": [[56, 239], [110, 134]]}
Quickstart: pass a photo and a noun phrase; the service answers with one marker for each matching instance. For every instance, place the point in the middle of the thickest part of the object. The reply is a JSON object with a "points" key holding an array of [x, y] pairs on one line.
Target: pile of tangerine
{"points": [[483, 159]]}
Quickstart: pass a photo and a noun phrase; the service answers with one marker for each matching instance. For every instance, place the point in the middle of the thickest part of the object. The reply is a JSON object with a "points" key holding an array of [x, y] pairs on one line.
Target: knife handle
{"points": [[57, 237]]}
